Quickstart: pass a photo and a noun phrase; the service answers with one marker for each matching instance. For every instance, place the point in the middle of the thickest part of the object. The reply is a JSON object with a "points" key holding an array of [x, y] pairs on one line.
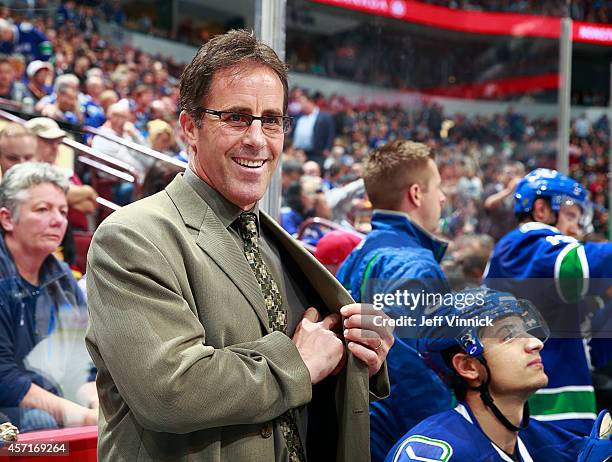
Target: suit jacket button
{"points": [[266, 431]]}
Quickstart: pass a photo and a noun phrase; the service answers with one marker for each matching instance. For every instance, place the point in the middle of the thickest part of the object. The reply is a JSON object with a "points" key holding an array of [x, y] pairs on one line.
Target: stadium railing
{"points": [[325, 223], [136, 147], [120, 171]]}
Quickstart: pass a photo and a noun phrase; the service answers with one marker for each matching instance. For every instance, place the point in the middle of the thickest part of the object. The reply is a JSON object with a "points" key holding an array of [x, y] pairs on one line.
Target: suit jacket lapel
{"points": [[352, 388], [216, 241], [218, 244], [331, 291]]}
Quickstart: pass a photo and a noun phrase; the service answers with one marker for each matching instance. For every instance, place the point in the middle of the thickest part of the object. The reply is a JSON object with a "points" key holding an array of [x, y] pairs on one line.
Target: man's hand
{"points": [[8, 432], [369, 336], [320, 347], [598, 445]]}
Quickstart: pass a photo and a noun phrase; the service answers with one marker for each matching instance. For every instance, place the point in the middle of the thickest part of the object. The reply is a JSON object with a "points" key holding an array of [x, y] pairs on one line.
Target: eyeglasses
{"points": [[270, 124]]}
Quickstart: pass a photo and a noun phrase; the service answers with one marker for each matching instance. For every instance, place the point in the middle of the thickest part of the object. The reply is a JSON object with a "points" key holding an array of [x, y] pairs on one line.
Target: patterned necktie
{"points": [[277, 318]]}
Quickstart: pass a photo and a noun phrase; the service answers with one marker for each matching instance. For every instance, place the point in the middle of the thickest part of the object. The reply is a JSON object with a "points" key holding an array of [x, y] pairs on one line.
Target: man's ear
{"points": [[414, 194], [541, 211], [189, 127], [6, 219], [466, 366]]}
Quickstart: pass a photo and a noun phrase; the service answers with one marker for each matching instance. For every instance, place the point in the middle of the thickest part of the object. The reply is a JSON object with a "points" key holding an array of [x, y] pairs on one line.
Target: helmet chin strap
{"points": [[487, 399]]}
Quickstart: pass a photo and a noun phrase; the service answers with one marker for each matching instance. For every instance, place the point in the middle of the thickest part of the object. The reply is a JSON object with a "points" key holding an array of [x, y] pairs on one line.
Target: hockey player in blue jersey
{"points": [[542, 261], [493, 370], [24, 39]]}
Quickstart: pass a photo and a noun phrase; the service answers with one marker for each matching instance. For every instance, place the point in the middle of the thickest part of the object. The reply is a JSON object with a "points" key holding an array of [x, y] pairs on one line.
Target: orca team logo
{"points": [[471, 346], [419, 448]]}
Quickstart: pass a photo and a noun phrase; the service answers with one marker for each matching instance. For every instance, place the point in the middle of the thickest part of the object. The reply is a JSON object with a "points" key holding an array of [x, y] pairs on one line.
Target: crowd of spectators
{"points": [[581, 10], [353, 54], [55, 65], [478, 156], [77, 77], [480, 159], [127, 92]]}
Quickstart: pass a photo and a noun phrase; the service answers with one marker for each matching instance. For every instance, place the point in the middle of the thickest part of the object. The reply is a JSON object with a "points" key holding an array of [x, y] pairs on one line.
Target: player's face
{"points": [[239, 163], [568, 221], [513, 356]]}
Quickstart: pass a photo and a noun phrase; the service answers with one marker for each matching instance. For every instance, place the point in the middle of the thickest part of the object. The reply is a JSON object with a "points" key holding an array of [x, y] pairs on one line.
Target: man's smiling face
{"points": [[238, 163]]}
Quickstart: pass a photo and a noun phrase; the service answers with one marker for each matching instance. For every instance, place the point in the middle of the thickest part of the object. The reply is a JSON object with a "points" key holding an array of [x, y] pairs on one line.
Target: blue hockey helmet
{"points": [[559, 189], [465, 318]]}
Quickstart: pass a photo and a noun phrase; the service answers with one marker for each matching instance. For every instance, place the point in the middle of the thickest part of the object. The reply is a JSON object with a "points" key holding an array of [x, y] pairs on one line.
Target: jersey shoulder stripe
{"points": [[572, 273]]}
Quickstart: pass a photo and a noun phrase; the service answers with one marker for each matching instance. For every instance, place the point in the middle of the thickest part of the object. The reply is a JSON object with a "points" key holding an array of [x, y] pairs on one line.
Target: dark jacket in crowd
{"points": [[28, 314]]}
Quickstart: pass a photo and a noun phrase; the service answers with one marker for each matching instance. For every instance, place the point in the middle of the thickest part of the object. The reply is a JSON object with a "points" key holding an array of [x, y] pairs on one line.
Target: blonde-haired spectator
{"points": [[10, 86], [161, 137], [108, 97]]}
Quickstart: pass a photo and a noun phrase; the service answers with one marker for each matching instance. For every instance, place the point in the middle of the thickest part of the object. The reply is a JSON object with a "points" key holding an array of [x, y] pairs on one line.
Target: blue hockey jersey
{"points": [[29, 42], [396, 256], [556, 272], [456, 436]]}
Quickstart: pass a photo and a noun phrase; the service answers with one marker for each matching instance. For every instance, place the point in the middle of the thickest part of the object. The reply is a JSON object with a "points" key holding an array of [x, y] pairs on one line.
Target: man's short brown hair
{"points": [[235, 48], [390, 170]]}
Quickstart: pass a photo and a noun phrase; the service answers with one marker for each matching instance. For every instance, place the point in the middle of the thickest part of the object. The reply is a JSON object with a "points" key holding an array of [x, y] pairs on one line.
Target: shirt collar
{"points": [[222, 208], [466, 412], [394, 212], [313, 114], [427, 239]]}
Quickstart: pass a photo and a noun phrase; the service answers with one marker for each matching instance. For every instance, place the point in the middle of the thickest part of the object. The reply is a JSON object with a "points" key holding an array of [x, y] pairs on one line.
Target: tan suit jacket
{"points": [[188, 368]]}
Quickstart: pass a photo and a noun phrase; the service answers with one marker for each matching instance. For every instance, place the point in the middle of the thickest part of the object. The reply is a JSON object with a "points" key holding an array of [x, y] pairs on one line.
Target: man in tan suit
{"points": [[202, 325]]}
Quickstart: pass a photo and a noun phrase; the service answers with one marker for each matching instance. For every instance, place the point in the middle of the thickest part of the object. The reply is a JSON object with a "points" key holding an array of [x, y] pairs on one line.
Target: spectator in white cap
{"points": [[39, 74], [49, 136], [81, 198]]}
